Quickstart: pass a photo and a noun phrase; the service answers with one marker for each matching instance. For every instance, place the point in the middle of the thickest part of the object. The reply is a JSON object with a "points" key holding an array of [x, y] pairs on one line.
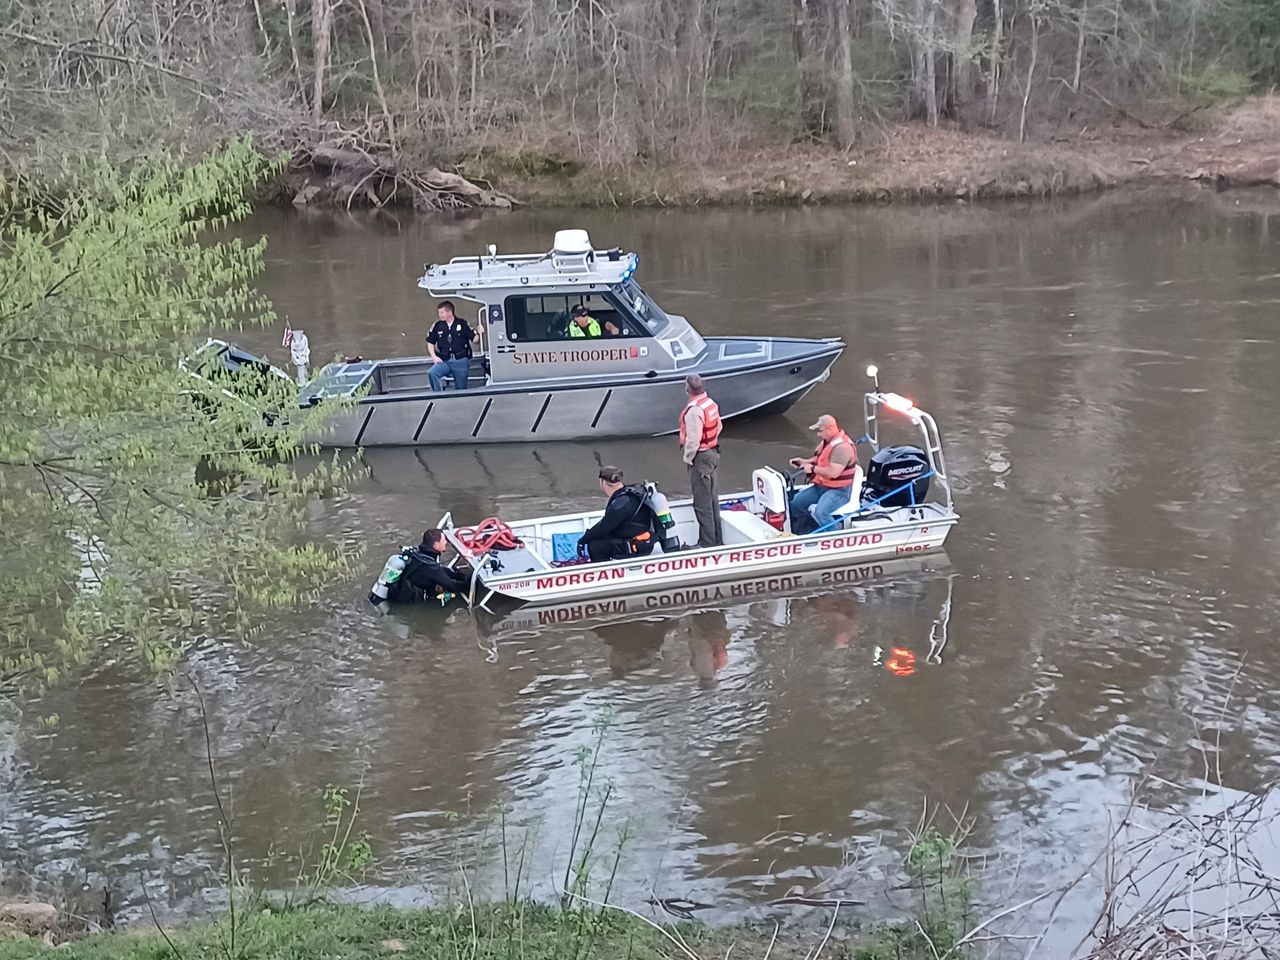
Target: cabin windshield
{"points": [[653, 315], [548, 317]]}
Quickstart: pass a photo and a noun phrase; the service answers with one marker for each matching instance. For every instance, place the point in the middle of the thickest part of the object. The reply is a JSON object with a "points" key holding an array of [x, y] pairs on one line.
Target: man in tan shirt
{"points": [[700, 446]]}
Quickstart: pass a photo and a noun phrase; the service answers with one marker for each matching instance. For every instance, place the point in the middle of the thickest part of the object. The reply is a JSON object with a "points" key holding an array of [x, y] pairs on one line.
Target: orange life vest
{"points": [[710, 422], [823, 454]]}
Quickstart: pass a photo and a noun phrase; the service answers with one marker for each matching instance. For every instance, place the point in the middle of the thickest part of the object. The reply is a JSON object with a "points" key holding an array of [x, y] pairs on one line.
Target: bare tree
{"points": [[322, 35], [845, 129]]}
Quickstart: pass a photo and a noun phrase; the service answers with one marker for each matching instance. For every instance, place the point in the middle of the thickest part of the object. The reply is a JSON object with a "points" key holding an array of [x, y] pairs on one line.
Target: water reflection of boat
{"points": [[902, 580]]}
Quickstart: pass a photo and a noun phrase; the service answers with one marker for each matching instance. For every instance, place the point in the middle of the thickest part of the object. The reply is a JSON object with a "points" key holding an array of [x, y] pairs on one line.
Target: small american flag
{"points": [[288, 335]]}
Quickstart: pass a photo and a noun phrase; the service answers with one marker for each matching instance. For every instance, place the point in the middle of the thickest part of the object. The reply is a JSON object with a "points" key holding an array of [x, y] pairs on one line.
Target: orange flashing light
{"points": [[895, 401], [901, 662]]}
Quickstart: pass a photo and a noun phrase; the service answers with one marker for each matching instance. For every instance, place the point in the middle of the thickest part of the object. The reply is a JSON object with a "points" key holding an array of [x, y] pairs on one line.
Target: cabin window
{"points": [[545, 317], [643, 307]]}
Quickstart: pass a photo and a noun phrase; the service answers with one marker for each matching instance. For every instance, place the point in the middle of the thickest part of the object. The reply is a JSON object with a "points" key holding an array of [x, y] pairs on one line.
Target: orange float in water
{"points": [[901, 662]]}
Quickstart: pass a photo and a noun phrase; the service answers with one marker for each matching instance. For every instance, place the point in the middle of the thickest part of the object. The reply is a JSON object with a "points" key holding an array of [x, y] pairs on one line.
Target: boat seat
{"points": [[742, 526]]}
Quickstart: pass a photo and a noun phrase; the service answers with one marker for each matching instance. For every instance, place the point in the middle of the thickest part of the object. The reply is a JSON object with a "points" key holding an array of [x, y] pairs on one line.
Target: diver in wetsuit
{"points": [[629, 527], [424, 577]]}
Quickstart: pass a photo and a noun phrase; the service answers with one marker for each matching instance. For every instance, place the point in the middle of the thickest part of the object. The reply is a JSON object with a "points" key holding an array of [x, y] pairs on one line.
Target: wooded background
{"points": [[612, 82]]}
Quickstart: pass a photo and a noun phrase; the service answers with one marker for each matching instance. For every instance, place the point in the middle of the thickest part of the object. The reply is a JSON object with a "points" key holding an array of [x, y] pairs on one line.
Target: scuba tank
{"points": [[390, 576], [662, 509]]}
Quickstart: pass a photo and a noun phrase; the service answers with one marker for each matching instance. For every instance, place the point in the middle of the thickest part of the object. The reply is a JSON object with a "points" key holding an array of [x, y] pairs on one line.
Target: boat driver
{"points": [[583, 324], [830, 472], [629, 527]]}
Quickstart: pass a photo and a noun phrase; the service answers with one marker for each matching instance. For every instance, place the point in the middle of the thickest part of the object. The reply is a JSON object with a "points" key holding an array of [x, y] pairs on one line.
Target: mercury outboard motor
{"points": [[894, 467]]}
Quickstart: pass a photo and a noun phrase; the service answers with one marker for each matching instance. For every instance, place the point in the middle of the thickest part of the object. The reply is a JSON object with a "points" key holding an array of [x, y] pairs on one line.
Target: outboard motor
{"points": [[894, 467], [390, 575]]}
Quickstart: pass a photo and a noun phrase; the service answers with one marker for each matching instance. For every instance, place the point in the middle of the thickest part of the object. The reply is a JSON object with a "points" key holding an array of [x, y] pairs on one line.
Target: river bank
{"points": [[526, 930], [1232, 147]]}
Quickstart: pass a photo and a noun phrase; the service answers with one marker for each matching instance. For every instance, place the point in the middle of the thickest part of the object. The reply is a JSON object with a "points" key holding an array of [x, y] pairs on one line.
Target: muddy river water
{"points": [[1106, 374]]}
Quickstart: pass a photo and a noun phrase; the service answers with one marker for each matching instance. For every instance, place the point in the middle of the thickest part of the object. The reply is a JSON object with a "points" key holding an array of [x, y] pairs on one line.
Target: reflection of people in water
{"points": [[837, 614], [633, 646], [708, 646]]}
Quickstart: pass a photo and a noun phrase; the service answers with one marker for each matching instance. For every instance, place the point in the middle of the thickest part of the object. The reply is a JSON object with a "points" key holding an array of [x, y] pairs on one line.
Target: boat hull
{"points": [[563, 410], [860, 543]]}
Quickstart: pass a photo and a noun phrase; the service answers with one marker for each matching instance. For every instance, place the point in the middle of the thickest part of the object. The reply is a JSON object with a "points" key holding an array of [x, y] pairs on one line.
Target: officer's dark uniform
{"points": [[627, 529]]}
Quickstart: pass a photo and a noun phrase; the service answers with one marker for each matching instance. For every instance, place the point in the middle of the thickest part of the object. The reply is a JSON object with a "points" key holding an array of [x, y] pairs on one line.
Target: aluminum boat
{"points": [[530, 380], [896, 513]]}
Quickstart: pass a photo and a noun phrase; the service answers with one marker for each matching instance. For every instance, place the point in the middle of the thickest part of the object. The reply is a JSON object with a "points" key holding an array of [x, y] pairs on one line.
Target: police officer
{"points": [[583, 324], [449, 345], [628, 528]]}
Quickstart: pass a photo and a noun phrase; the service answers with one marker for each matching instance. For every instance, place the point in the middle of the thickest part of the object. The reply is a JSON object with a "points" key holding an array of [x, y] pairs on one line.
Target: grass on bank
{"points": [[506, 931], [521, 930]]}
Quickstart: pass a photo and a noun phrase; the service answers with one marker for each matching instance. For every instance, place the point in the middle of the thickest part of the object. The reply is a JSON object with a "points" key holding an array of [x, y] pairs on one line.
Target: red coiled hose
{"points": [[489, 534]]}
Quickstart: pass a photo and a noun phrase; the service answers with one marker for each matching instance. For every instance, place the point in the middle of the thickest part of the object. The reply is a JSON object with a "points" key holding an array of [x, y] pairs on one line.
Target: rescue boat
{"points": [[901, 506]]}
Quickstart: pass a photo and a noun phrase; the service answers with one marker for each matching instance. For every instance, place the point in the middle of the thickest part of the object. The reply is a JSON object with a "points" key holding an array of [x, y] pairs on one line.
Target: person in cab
{"points": [[629, 527], [583, 325]]}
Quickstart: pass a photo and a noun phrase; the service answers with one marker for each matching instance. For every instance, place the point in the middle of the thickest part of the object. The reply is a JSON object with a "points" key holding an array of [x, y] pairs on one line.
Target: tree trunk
{"points": [[846, 129], [377, 23], [321, 29], [930, 78], [812, 106], [291, 15], [996, 69], [1031, 75], [377, 78], [966, 13], [1083, 15]]}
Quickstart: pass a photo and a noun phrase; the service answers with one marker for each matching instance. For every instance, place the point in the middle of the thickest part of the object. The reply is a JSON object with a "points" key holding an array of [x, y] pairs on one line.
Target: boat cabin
{"points": [[526, 303]]}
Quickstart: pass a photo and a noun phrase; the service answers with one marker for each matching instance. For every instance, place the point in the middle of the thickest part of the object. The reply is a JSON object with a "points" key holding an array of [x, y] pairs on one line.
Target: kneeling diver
{"points": [[416, 574], [629, 527]]}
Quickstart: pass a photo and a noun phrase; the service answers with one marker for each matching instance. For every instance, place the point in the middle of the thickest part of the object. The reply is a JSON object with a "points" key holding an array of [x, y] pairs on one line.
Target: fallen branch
{"points": [[675, 939], [816, 902], [76, 48], [1093, 92], [362, 168]]}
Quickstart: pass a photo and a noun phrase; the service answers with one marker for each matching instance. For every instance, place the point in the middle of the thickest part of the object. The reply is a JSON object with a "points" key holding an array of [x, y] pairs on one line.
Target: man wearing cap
{"points": [[830, 471], [628, 526], [583, 324]]}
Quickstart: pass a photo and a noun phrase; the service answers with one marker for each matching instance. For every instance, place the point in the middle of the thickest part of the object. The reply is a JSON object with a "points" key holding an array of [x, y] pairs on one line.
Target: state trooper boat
{"points": [[890, 514], [530, 380]]}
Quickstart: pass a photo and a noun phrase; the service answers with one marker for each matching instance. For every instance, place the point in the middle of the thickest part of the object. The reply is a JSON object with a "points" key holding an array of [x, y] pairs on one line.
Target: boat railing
{"points": [[866, 505], [541, 270], [871, 402]]}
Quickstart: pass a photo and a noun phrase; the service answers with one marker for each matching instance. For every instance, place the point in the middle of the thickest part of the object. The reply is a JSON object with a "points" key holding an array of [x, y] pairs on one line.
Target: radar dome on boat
{"points": [[572, 242]]}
